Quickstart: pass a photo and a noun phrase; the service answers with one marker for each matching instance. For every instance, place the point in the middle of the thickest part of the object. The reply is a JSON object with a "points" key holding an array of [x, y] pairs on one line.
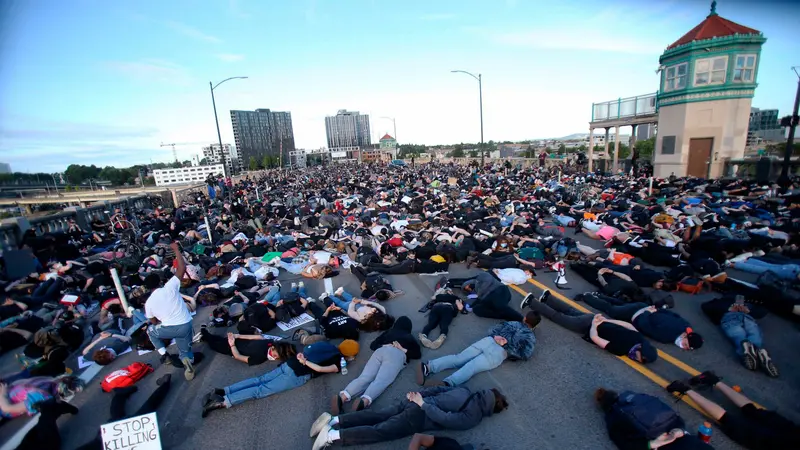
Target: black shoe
{"points": [[678, 387], [171, 360], [213, 393], [545, 296], [578, 298], [441, 283], [705, 379], [337, 405], [422, 373], [165, 379], [215, 402], [526, 301]]}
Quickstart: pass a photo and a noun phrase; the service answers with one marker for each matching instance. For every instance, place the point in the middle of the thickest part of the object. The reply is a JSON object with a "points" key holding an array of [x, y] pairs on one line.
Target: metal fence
{"points": [[641, 105]]}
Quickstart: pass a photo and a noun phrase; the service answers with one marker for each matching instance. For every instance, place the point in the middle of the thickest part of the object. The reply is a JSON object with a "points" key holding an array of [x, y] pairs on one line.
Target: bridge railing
{"points": [[11, 230], [640, 105]]}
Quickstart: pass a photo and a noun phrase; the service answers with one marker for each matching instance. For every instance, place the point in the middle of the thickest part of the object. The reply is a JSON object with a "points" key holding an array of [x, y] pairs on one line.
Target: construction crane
{"points": [[174, 152]]}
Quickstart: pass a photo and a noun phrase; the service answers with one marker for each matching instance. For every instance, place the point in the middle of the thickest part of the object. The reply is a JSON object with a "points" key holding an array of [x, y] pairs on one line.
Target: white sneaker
{"points": [[301, 285], [322, 297], [319, 424], [294, 287], [338, 292], [323, 441]]}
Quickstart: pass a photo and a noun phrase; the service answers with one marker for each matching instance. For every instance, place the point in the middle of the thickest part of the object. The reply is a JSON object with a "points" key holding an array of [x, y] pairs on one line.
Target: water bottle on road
{"points": [[343, 364], [704, 432]]}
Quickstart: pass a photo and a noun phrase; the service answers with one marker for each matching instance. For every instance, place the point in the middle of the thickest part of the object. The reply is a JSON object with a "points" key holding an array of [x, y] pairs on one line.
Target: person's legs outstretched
{"points": [[455, 361], [492, 355], [623, 312], [559, 313]]}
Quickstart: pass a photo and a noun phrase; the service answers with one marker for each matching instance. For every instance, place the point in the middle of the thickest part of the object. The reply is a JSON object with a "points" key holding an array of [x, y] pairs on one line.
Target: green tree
{"points": [[253, 165], [646, 147], [266, 162], [457, 152], [562, 148], [473, 154]]}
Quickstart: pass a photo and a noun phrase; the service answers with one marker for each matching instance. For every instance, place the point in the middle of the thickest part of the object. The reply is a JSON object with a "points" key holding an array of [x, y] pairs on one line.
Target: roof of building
{"points": [[386, 136], [713, 26]]}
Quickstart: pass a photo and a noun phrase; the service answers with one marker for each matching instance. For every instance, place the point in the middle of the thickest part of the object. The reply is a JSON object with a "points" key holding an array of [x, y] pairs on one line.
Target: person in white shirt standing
{"points": [[169, 316]]}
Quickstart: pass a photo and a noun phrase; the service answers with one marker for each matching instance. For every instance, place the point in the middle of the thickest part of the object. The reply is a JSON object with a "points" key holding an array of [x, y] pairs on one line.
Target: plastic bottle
{"points": [[343, 363], [704, 432]]}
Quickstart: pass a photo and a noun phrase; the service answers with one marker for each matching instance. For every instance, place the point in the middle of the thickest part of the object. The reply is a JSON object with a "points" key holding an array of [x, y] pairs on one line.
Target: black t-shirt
{"points": [[760, 428], [301, 370], [11, 310], [620, 339], [339, 326], [255, 350], [645, 277]]}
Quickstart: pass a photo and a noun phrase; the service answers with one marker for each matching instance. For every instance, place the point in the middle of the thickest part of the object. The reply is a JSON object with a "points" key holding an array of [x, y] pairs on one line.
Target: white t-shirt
{"points": [[512, 276], [166, 304]]}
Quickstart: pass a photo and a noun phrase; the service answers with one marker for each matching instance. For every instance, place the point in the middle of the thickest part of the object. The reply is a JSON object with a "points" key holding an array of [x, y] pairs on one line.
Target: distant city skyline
{"points": [[106, 83]]}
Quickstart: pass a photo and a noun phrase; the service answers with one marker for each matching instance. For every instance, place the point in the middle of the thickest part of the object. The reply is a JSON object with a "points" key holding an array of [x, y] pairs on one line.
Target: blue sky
{"points": [[106, 82]]}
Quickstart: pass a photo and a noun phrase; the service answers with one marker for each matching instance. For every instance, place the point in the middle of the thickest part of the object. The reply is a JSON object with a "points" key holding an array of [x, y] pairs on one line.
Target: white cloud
{"points": [[436, 17], [192, 32], [151, 70], [230, 57]]}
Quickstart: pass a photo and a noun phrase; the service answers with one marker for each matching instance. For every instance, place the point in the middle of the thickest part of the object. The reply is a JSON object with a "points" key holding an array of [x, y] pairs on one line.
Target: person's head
{"points": [[689, 340], [377, 321], [152, 281], [643, 353], [281, 351], [68, 386], [532, 319], [382, 295], [115, 309], [665, 285], [500, 401], [104, 356], [468, 287], [349, 349], [605, 398]]}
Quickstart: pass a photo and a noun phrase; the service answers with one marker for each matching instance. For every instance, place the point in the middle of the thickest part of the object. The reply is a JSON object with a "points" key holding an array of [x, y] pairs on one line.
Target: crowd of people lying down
{"points": [[90, 296]]}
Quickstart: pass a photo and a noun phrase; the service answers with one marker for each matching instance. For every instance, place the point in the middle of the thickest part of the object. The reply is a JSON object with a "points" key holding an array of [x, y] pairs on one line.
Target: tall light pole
{"points": [[480, 99], [783, 180], [214, 102]]}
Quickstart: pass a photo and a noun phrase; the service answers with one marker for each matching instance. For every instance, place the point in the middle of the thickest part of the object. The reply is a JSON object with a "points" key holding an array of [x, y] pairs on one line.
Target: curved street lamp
{"points": [[213, 102], [480, 99]]}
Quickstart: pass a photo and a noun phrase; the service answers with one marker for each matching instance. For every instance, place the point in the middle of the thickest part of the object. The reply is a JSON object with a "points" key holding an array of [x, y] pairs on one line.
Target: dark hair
{"points": [[152, 281], [377, 321], [382, 295], [500, 401], [115, 308], [532, 318], [103, 357], [695, 340], [605, 399], [668, 286], [286, 350]]}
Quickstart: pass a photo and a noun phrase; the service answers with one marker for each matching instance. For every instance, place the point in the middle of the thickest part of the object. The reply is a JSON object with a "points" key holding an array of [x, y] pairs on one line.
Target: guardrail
{"points": [[640, 105], [12, 230]]}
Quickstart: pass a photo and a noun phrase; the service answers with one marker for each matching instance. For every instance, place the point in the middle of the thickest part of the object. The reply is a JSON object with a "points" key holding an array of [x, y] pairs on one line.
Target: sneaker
{"points": [[213, 403], [438, 342], [423, 339], [301, 285], [545, 296], [677, 387], [188, 368], [338, 292], [526, 301], [423, 372], [294, 287], [323, 296], [749, 357], [441, 284], [323, 441], [705, 379], [319, 424], [471, 260], [767, 364]]}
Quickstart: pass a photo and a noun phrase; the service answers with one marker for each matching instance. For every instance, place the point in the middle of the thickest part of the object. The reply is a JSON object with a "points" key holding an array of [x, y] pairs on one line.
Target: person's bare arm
{"points": [[181, 270], [420, 440], [600, 342]]}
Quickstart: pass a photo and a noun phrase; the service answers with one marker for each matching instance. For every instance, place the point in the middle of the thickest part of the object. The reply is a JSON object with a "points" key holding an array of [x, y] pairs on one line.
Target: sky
{"points": [[105, 83]]}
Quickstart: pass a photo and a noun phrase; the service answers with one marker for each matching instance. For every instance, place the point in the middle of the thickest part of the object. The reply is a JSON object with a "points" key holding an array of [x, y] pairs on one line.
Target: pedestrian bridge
{"points": [[637, 110]]}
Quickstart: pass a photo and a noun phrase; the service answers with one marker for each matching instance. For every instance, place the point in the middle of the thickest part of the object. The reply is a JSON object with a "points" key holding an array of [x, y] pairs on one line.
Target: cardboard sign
{"points": [[136, 433], [452, 181]]}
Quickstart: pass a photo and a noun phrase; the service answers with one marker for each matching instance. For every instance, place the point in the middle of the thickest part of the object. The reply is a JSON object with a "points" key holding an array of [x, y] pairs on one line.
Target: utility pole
{"points": [[784, 179]]}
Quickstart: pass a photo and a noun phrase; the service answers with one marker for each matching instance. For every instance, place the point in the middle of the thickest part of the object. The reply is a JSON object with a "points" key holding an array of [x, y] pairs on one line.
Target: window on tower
{"points": [[710, 71], [675, 77], [744, 71]]}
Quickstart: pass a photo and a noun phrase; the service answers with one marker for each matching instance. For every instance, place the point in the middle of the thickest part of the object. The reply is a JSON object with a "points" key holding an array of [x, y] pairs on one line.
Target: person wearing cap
{"points": [[297, 369], [615, 336], [660, 324]]}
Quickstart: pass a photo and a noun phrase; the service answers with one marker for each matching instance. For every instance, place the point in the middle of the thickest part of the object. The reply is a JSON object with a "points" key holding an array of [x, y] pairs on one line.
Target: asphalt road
{"points": [[551, 405]]}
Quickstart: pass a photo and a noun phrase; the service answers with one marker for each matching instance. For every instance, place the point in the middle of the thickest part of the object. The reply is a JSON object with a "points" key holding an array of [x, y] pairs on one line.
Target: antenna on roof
{"points": [[713, 8]]}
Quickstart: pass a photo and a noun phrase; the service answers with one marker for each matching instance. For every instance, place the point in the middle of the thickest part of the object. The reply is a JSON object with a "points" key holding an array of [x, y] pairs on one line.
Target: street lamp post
{"points": [[784, 180], [480, 99], [214, 102]]}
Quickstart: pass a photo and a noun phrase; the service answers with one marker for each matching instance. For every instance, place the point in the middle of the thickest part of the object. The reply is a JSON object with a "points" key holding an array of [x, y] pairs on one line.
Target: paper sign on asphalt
{"points": [[136, 433]]}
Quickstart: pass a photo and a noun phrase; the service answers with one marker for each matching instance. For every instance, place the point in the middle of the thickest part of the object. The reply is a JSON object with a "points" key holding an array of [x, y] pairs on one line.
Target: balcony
{"points": [[626, 110]]}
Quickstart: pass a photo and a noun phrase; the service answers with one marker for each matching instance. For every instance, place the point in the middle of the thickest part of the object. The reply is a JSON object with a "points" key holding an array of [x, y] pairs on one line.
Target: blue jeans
{"points": [[181, 333], [739, 327], [296, 269], [138, 319], [783, 271], [301, 291], [273, 295], [479, 357], [342, 301], [280, 379]]}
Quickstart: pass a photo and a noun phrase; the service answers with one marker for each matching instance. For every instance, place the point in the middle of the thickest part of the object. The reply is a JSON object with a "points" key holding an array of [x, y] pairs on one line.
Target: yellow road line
{"points": [[635, 366]]}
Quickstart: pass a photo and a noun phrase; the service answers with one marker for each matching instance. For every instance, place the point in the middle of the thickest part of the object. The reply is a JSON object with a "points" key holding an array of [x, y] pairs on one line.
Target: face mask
{"points": [[632, 352], [504, 245], [270, 357]]}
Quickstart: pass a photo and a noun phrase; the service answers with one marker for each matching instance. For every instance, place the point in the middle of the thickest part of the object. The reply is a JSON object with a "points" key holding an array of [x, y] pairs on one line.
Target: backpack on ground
{"points": [[647, 415], [690, 285], [322, 351], [125, 377]]}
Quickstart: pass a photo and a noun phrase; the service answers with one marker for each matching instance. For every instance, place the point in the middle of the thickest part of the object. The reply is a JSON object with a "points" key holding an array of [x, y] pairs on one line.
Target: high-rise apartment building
{"points": [[262, 132], [226, 156], [5, 168], [763, 119], [348, 129]]}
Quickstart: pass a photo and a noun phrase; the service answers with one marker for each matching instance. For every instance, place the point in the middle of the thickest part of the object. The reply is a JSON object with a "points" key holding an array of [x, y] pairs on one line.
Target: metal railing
{"points": [[640, 105]]}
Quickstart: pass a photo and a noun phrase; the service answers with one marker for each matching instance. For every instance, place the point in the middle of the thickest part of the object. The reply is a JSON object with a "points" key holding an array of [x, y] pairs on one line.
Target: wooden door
{"points": [[699, 157]]}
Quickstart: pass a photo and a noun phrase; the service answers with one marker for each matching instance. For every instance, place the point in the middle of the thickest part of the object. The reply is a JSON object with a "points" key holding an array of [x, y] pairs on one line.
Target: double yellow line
{"points": [[635, 366]]}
